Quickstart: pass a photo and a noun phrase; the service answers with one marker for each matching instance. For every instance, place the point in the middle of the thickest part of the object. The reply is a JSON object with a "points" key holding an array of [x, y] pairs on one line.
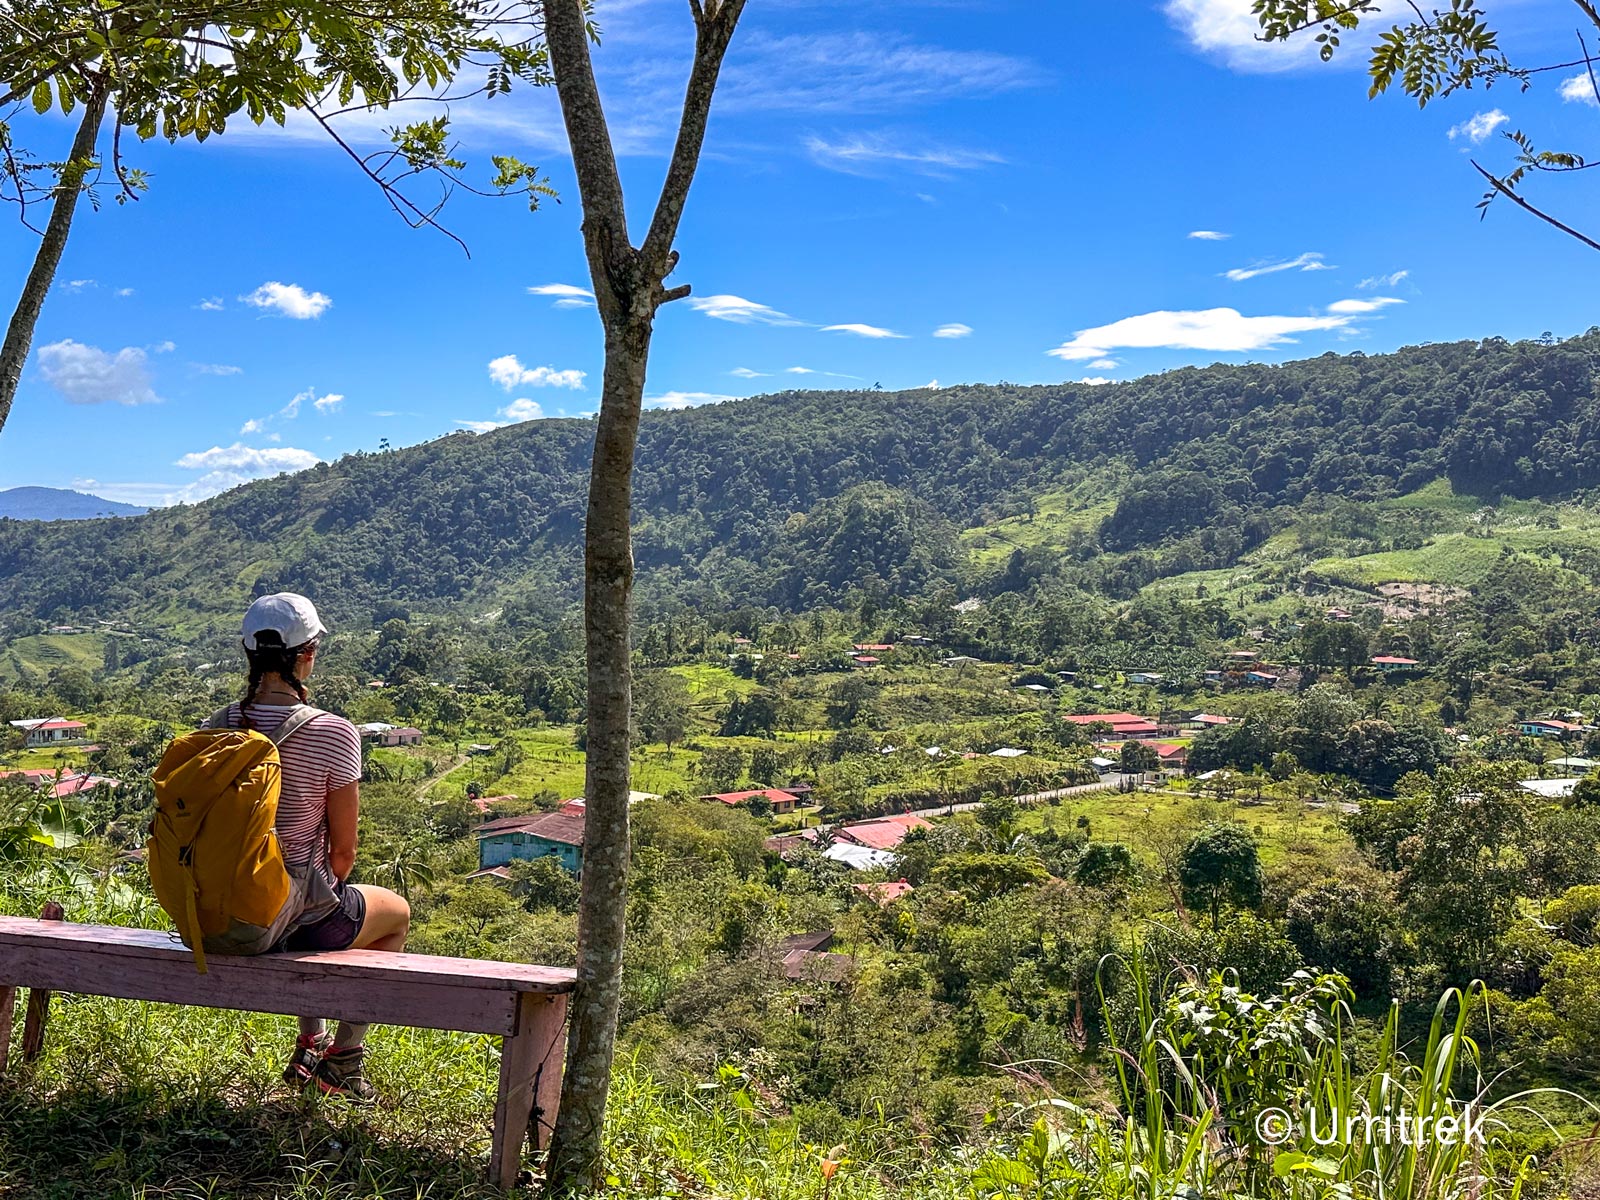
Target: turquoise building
{"points": [[538, 835]]}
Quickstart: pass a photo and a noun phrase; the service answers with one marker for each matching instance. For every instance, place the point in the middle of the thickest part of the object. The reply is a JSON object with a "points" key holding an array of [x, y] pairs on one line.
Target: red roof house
{"points": [[1123, 725], [884, 893], [781, 801], [883, 834]]}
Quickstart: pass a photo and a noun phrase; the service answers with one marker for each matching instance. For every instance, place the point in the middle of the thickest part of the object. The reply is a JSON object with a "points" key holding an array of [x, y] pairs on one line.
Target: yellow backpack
{"points": [[213, 853]]}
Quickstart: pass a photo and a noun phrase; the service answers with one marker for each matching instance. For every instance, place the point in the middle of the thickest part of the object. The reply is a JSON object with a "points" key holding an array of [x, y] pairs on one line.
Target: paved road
{"points": [[1108, 783]]}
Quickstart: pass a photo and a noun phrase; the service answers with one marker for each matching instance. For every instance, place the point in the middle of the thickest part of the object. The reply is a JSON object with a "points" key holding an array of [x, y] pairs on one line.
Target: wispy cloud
{"points": [[1360, 307], [1309, 261], [1210, 235], [747, 373], [289, 300], [211, 304], [89, 375], [1220, 329], [1476, 129], [872, 154], [566, 295], [862, 72], [215, 369], [332, 402], [953, 330], [866, 331], [1096, 380], [1393, 279], [509, 373], [77, 285], [740, 311], [224, 467]]}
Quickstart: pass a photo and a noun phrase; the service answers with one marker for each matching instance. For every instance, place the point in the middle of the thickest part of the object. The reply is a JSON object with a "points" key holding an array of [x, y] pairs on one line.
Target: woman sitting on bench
{"points": [[316, 826]]}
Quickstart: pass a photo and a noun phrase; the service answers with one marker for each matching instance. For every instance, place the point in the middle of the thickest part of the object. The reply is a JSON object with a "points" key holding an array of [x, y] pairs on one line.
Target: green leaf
{"points": [[41, 96]]}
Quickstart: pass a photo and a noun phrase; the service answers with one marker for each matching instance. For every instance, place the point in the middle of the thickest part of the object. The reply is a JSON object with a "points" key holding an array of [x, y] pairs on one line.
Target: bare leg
{"points": [[387, 922]]}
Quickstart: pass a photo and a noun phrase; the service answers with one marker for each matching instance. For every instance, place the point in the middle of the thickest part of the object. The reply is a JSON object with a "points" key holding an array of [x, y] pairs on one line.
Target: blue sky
{"points": [[898, 193]]}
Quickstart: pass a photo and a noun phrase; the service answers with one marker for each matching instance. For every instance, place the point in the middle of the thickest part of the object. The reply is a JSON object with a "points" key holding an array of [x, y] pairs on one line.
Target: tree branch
{"points": [[605, 216], [713, 32], [1503, 189]]}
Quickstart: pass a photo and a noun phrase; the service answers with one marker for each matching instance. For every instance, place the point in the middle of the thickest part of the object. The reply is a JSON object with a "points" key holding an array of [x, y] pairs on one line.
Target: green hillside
{"points": [[1377, 465]]}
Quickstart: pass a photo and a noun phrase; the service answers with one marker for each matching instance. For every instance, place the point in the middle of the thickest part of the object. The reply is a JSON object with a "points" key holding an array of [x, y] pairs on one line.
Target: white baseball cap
{"points": [[291, 616]]}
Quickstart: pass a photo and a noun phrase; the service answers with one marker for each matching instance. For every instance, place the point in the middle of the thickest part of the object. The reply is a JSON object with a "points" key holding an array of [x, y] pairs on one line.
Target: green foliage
{"points": [[1219, 866]]}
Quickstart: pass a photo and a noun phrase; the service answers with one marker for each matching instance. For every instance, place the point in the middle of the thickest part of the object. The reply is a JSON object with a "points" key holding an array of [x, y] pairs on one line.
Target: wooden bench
{"points": [[525, 1005]]}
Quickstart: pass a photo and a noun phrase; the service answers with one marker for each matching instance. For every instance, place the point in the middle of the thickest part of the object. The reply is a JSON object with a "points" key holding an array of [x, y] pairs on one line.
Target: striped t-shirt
{"points": [[321, 756]]}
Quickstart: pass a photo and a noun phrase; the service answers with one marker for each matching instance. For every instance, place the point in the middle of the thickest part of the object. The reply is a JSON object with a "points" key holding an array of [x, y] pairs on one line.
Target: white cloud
{"points": [[1210, 235], [89, 375], [798, 371], [509, 373], [77, 285], [931, 386], [1310, 261], [1104, 364], [1383, 281], [164, 347], [1228, 29], [522, 410], [567, 295], [124, 292], [740, 311], [224, 467], [215, 369], [866, 331], [1359, 307], [1096, 380], [1579, 90], [868, 154], [747, 373], [685, 399], [1477, 129], [481, 426], [953, 330], [1222, 329], [251, 426], [211, 304], [326, 403], [288, 300]]}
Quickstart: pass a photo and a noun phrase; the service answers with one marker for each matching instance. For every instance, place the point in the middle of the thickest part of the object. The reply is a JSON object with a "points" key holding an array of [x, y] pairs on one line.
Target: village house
{"points": [[51, 731], [1145, 678], [538, 835], [781, 801], [1543, 727], [1123, 725], [858, 857], [884, 833], [884, 894], [1391, 662], [1203, 721], [873, 647], [1264, 679]]}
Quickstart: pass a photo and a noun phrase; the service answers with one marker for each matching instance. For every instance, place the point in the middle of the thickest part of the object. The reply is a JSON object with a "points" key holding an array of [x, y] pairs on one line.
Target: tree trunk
{"points": [[19, 334], [575, 1154]]}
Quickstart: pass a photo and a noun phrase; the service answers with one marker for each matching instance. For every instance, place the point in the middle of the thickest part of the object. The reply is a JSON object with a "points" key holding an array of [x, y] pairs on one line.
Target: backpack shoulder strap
{"points": [[221, 719], [295, 721]]}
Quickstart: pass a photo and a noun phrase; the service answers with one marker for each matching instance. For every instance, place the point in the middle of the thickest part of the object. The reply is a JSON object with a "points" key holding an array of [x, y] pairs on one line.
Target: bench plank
{"points": [[355, 985]]}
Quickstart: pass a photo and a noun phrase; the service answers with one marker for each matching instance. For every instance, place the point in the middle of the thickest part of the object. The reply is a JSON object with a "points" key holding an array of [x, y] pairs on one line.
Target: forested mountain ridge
{"points": [[789, 499]]}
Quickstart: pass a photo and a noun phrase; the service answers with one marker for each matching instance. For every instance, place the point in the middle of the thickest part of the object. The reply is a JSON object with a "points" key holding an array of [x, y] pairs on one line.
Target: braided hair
{"points": [[270, 656]]}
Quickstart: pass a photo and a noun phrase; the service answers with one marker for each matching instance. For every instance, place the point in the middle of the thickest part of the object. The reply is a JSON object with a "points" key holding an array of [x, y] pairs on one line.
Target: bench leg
{"points": [[38, 1015], [8, 1011], [530, 1083], [34, 1022]]}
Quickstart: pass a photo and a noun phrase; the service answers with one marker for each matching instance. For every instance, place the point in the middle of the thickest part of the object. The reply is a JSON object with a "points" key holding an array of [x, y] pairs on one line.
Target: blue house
{"points": [[537, 835]]}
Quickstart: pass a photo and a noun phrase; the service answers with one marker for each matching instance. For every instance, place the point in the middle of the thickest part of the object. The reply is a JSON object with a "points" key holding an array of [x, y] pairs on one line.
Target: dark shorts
{"points": [[337, 930]]}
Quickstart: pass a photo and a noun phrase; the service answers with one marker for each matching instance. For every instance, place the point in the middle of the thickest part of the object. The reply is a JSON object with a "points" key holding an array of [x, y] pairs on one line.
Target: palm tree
{"points": [[409, 865]]}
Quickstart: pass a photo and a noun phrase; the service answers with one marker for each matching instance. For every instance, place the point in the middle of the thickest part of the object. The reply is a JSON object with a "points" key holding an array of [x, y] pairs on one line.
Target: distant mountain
{"points": [[60, 504]]}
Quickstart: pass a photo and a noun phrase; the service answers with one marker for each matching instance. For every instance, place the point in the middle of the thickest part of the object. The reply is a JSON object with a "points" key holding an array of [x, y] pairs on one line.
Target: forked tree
{"points": [[629, 287]]}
